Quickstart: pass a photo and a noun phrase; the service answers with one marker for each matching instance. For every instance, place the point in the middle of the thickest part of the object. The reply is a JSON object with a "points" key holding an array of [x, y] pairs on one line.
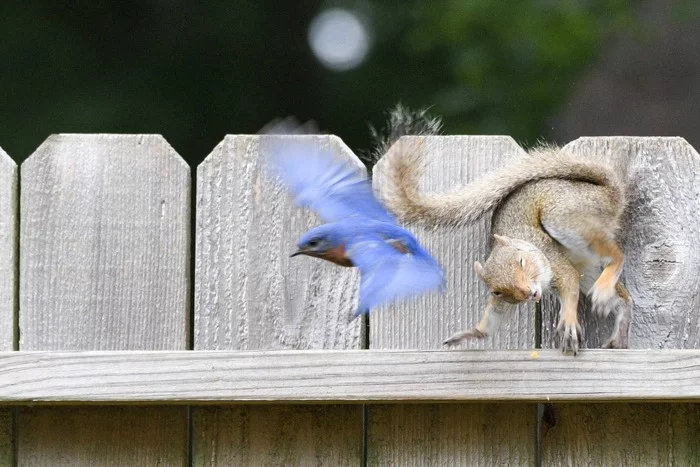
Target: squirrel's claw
{"points": [[463, 335], [569, 333]]}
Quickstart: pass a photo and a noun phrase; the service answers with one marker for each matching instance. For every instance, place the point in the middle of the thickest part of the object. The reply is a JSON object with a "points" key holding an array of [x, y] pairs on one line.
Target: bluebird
{"points": [[359, 231]]}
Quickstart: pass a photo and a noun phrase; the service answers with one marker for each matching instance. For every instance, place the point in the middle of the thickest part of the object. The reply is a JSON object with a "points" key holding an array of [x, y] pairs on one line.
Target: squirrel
{"points": [[554, 225]]}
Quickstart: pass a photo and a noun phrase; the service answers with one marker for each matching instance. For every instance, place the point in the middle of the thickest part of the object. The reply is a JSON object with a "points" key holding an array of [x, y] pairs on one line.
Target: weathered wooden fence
{"points": [[149, 319]]}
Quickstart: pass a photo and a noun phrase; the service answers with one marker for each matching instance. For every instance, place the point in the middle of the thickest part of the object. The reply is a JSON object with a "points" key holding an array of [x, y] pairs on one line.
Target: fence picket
{"points": [[104, 265], [465, 434], [8, 283], [250, 295], [661, 241]]}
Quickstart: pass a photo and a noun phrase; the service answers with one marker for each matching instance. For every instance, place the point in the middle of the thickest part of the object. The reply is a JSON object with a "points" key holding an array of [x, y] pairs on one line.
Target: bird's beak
{"points": [[298, 252]]}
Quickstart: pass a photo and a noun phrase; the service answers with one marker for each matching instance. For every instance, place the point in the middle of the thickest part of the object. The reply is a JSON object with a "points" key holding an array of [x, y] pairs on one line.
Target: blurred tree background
{"points": [[195, 71]]}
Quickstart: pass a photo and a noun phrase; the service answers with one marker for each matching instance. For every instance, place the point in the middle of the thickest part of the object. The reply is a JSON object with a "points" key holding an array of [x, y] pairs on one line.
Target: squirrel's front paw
{"points": [[569, 333], [463, 335]]}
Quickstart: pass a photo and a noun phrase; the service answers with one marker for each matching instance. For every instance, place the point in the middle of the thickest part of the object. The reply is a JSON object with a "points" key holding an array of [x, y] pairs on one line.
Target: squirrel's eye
{"points": [[496, 294], [522, 262]]}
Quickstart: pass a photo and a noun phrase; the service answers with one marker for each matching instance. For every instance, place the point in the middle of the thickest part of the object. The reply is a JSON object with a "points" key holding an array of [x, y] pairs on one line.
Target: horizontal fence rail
{"points": [[349, 376]]}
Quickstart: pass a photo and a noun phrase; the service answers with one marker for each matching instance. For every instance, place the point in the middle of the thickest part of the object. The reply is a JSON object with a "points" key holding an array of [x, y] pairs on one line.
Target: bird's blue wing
{"points": [[388, 275], [334, 188]]}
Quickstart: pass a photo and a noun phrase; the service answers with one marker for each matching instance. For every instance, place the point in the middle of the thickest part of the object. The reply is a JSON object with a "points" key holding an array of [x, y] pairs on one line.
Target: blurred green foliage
{"points": [[508, 65], [195, 71]]}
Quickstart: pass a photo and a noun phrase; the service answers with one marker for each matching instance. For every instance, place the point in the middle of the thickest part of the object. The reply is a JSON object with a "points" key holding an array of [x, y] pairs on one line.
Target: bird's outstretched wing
{"points": [[334, 188], [387, 274]]}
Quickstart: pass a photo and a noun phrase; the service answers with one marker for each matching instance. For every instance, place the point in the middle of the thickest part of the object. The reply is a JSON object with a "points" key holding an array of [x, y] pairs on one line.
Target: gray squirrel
{"points": [[554, 226]]}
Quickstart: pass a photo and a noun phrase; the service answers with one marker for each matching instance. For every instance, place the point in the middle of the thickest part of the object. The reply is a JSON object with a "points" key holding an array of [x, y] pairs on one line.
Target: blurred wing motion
{"points": [[389, 275], [333, 188]]}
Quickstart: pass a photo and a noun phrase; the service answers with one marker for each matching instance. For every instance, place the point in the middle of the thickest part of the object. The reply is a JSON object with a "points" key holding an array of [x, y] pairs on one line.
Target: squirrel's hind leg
{"points": [[620, 304], [589, 243], [623, 317], [604, 291]]}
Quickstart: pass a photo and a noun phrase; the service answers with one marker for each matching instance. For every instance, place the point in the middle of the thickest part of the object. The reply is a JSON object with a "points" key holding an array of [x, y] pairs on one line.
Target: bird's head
{"points": [[322, 242], [317, 247]]}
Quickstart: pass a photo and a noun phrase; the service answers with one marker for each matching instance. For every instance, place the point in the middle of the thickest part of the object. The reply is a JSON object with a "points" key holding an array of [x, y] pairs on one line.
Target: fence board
{"points": [[104, 244], [89, 436], [105, 239], [660, 238], [8, 282], [250, 295], [8, 249], [348, 376], [451, 434], [6, 438], [661, 241], [624, 435], [426, 322]]}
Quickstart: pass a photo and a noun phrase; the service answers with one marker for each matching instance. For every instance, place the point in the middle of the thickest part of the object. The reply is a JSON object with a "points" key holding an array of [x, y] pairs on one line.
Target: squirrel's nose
{"points": [[535, 295]]}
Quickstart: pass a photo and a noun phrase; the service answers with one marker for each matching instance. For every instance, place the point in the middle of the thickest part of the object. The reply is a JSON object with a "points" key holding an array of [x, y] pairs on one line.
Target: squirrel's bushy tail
{"points": [[397, 174], [402, 122]]}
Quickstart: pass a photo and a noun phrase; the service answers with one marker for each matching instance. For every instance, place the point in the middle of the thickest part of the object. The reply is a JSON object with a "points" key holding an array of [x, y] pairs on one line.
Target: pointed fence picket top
{"points": [[105, 222], [660, 237], [8, 283], [250, 295], [104, 265], [452, 434], [424, 323]]}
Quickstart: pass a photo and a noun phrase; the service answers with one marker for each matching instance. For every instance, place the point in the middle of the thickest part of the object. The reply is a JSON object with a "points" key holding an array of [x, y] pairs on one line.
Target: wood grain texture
{"points": [[8, 284], [249, 294], [624, 435], [452, 435], [424, 323], [8, 249], [104, 265], [660, 237], [7, 457], [102, 436], [352, 376], [105, 222], [282, 435], [661, 241]]}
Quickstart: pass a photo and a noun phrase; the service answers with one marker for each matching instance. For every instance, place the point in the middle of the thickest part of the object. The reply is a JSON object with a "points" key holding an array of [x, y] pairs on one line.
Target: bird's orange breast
{"points": [[337, 255]]}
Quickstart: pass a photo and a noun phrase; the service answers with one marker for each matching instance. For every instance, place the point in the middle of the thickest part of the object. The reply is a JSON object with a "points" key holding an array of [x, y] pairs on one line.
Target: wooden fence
{"points": [[152, 316]]}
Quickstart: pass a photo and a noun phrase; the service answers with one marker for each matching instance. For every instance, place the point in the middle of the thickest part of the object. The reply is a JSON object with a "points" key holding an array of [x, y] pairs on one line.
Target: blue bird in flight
{"points": [[359, 231]]}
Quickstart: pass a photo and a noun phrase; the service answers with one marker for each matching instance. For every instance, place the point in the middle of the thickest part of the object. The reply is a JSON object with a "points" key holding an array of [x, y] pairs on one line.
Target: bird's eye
{"points": [[312, 243]]}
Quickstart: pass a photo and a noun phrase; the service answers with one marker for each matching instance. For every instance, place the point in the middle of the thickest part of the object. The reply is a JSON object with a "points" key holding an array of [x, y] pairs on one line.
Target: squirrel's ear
{"points": [[479, 270], [503, 240]]}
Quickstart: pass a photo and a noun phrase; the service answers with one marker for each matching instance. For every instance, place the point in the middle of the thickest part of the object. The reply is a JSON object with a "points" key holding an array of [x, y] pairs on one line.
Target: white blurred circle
{"points": [[339, 39]]}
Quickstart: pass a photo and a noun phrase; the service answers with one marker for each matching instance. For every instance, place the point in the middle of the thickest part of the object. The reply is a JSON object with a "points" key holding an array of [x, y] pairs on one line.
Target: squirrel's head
{"points": [[515, 271]]}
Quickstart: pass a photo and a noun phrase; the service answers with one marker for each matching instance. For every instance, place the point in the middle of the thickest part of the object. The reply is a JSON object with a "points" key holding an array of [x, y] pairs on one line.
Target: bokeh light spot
{"points": [[339, 39]]}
